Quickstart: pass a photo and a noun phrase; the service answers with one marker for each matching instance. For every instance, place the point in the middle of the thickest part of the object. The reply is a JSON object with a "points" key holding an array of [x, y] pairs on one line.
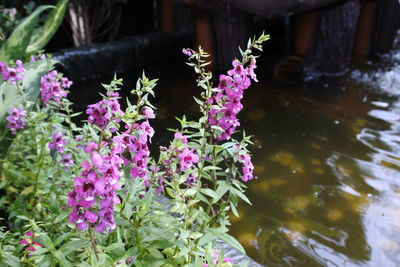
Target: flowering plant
{"points": [[105, 199]]}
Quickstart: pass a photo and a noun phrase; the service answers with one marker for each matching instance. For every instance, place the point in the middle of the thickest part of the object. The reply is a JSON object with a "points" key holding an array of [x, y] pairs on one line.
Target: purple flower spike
{"points": [[15, 119]]}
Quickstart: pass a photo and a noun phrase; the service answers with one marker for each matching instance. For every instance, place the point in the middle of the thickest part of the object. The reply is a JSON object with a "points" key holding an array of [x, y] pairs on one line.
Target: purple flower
{"points": [[65, 83], [97, 114], [251, 68], [180, 137], [15, 119], [20, 67], [52, 85], [191, 180], [80, 214], [12, 74], [97, 184], [3, 70], [67, 161], [90, 147], [188, 52], [106, 220], [148, 113], [187, 158], [104, 111], [228, 96], [247, 167], [146, 132], [30, 242], [97, 159], [58, 143]]}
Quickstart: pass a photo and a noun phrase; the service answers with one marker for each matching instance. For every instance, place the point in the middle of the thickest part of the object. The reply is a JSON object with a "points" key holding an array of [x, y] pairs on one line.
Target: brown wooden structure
{"points": [[326, 35]]}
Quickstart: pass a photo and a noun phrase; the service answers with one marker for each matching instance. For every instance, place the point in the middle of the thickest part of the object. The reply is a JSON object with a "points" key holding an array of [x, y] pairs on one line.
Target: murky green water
{"points": [[327, 158]]}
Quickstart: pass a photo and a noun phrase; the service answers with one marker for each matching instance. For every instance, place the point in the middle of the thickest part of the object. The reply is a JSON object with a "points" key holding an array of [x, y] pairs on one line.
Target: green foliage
{"points": [[10, 95], [42, 35], [29, 37], [15, 46], [179, 228]]}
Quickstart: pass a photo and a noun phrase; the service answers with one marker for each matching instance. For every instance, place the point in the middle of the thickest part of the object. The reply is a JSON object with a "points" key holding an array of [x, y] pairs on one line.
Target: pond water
{"points": [[327, 158]]}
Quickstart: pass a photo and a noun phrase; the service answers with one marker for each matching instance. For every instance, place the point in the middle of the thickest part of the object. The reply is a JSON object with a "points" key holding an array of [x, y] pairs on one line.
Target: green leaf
{"points": [[207, 238], [239, 194], [61, 259], [209, 168], [73, 245], [9, 260], [15, 46], [190, 192], [234, 209], [222, 188], [116, 250], [105, 260], [47, 261], [218, 232], [43, 35], [61, 238], [45, 240], [209, 192]]}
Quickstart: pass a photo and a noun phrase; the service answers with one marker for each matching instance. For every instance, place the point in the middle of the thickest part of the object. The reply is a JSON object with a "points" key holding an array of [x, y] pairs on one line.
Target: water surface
{"points": [[327, 157]]}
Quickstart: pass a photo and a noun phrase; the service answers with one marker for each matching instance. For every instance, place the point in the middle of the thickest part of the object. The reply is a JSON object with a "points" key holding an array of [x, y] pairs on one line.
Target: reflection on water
{"points": [[328, 165]]}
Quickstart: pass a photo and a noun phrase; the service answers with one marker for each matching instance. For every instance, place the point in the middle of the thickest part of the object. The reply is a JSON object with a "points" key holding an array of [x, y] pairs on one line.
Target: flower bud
{"points": [[131, 114], [107, 134], [148, 112]]}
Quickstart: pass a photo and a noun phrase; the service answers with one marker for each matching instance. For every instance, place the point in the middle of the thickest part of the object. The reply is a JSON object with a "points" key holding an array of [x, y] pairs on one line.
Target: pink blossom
{"points": [[228, 96], [3, 71], [97, 159], [148, 113], [66, 160], [187, 52], [12, 74], [52, 87], [180, 137], [191, 180], [90, 147], [187, 158], [30, 242], [97, 184], [146, 132], [58, 143], [15, 119], [104, 111], [80, 214], [248, 167]]}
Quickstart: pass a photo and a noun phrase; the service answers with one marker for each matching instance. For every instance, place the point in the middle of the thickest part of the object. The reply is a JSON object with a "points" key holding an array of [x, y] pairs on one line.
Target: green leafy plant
{"points": [[10, 96], [29, 37], [93, 195]]}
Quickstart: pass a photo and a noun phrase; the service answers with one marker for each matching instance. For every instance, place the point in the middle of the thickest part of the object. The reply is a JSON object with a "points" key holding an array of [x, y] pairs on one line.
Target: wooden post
{"points": [[386, 24], [204, 35], [364, 32], [334, 39], [166, 15], [304, 32]]}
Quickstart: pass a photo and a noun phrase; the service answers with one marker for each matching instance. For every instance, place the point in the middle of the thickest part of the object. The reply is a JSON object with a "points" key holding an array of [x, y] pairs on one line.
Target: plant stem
{"points": [[93, 241], [128, 196], [21, 93]]}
